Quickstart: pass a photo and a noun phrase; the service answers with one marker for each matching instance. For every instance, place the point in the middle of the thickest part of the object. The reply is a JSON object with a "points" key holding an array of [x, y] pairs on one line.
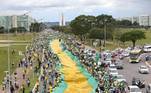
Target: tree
{"points": [[135, 24], [124, 23], [133, 36], [106, 22], [104, 19], [123, 37], [2, 29], [13, 30], [36, 27], [21, 29], [56, 27], [18, 29], [96, 33], [82, 24]]}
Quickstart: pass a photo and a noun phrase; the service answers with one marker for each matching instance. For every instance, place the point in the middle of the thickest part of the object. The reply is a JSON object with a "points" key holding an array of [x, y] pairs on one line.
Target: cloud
{"points": [[32, 4], [72, 8]]}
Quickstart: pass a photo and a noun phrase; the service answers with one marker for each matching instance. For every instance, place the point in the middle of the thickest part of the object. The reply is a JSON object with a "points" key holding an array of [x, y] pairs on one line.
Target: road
{"points": [[131, 70]]}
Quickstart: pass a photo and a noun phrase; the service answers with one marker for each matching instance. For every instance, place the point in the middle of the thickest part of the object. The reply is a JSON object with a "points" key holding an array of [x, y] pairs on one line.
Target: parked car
{"points": [[113, 72], [119, 64], [143, 70], [147, 48], [134, 89], [112, 66], [138, 82], [120, 78], [148, 88], [125, 54]]}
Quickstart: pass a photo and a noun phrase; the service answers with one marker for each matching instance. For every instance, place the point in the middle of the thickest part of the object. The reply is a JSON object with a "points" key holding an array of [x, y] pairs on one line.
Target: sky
{"points": [[51, 10]]}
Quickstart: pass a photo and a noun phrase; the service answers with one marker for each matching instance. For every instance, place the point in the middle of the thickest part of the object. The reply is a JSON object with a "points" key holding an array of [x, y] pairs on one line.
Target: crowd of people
{"points": [[50, 76], [40, 59], [95, 64]]}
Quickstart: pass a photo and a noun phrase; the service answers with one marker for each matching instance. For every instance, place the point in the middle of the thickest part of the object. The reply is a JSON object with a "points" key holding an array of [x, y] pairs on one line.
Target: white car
{"points": [[134, 89], [143, 70], [125, 54], [113, 72], [112, 66], [107, 62], [120, 78], [147, 48]]}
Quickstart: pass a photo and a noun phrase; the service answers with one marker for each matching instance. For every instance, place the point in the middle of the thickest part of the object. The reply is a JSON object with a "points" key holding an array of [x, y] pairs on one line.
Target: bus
{"points": [[134, 56]]}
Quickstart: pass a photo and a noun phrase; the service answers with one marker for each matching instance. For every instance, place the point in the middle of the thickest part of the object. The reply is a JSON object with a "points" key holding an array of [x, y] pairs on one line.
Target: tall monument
{"points": [[62, 21]]}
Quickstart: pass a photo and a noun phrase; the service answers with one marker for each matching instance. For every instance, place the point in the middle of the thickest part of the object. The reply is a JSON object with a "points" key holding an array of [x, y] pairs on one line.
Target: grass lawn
{"points": [[13, 58], [147, 40], [113, 44], [19, 37]]}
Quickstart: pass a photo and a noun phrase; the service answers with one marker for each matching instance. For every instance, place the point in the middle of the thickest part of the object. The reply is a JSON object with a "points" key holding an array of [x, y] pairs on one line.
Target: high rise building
{"points": [[149, 20], [144, 20], [16, 21]]}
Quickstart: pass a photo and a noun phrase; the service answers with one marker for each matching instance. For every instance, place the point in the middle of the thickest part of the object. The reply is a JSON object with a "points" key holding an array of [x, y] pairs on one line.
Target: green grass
{"points": [[13, 58], [147, 40], [18, 37], [113, 44]]}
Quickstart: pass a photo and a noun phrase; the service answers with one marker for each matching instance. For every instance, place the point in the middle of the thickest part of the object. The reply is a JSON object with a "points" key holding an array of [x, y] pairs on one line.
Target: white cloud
{"points": [[75, 7]]}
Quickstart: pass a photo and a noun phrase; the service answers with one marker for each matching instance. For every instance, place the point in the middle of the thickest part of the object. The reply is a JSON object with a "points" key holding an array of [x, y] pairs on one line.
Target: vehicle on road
{"points": [[112, 66], [147, 48], [143, 70], [138, 82], [148, 88], [134, 89], [120, 78], [119, 64], [134, 56], [125, 54], [113, 71]]}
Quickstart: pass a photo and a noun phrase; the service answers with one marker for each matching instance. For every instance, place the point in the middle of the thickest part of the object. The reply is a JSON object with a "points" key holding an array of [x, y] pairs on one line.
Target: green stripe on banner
{"points": [[62, 85], [92, 81]]}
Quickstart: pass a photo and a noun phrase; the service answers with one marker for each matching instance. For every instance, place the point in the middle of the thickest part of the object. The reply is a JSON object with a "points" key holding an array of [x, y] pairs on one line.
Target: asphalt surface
{"points": [[131, 70]]}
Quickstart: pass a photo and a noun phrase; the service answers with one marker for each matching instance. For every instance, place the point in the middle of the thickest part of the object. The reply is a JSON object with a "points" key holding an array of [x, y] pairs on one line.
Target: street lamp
{"points": [[40, 21], [8, 59], [105, 23]]}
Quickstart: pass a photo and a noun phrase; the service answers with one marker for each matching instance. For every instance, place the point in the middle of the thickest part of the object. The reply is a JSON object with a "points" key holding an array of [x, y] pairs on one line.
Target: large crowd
{"points": [[40, 58], [94, 62]]}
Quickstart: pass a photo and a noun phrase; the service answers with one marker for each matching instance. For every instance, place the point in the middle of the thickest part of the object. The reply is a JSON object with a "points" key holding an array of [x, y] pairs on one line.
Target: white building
{"points": [[144, 20], [14, 21], [149, 20], [135, 19]]}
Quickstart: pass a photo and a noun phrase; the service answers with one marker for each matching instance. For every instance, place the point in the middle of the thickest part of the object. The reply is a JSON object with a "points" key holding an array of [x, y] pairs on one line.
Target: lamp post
{"points": [[105, 23], [40, 21], [8, 58]]}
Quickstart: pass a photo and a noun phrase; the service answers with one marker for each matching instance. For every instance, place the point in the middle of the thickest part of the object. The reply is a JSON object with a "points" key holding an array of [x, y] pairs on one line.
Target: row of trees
{"points": [[34, 27], [101, 27]]}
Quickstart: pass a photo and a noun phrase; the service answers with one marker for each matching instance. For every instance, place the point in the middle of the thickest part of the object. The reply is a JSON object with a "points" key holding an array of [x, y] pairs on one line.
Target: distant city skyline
{"points": [[50, 10]]}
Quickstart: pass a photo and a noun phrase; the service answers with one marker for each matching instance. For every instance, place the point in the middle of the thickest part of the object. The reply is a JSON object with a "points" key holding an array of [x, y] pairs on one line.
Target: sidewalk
{"points": [[20, 79]]}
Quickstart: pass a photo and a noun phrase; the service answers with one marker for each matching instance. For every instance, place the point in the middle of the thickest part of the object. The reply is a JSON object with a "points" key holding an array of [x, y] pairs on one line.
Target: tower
{"points": [[62, 21]]}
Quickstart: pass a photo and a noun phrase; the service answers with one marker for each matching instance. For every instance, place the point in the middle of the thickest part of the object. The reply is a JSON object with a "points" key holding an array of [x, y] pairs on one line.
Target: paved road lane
{"points": [[131, 70]]}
